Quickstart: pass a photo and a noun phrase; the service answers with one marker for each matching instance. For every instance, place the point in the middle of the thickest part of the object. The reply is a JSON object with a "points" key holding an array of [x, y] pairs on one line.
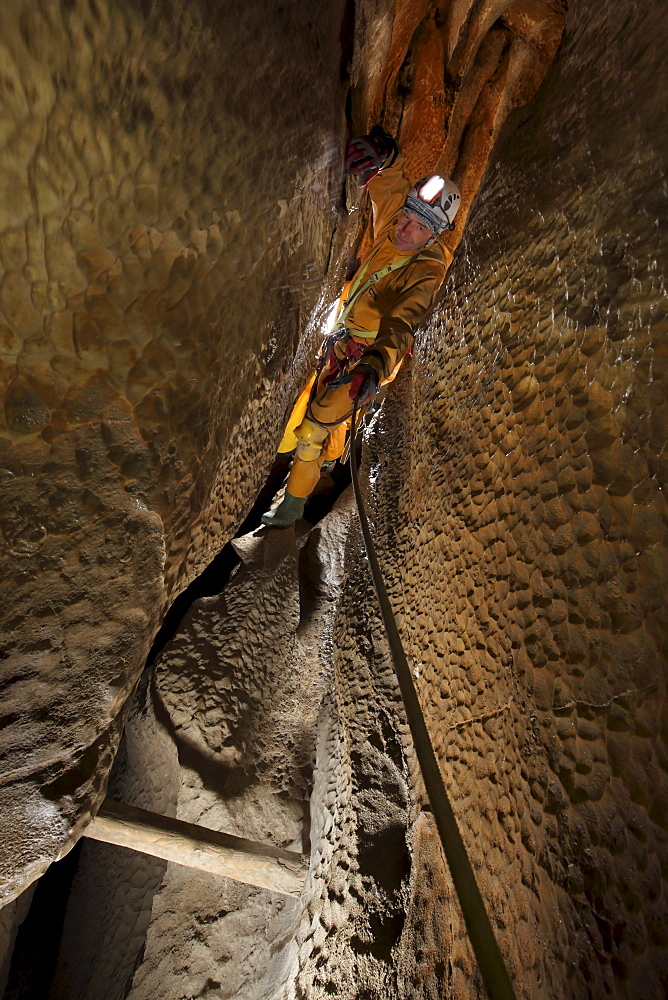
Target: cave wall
{"points": [[515, 477], [168, 175], [174, 229], [516, 467], [519, 481], [245, 688], [110, 902]]}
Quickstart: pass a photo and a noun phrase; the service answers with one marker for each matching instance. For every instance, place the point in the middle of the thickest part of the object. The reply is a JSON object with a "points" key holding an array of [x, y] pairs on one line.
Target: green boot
{"points": [[289, 510]]}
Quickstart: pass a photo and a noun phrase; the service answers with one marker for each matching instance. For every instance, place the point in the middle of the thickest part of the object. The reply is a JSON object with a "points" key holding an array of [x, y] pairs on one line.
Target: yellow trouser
{"points": [[316, 444]]}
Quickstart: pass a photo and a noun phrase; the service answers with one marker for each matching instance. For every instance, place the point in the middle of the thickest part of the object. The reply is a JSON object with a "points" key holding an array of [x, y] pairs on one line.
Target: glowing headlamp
{"points": [[430, 191]]}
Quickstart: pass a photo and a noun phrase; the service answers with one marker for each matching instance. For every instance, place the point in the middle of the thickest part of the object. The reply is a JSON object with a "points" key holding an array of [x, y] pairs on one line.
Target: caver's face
{"points": [[411, 233]]}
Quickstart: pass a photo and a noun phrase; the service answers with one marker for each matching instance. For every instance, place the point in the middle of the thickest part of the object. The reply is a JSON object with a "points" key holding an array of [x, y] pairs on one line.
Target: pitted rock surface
{"points": [[173, 235], [516, 484], [250, 772], [520, 499], [169, 172]]}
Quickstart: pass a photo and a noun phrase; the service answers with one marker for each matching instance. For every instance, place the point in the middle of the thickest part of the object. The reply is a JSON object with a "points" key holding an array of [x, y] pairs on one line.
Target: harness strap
{"points": [[364, 334], [357, 290]]}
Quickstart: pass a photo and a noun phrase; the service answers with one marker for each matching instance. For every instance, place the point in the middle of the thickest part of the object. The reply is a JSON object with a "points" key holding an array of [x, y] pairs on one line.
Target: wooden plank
{"points": [[196, 847]]}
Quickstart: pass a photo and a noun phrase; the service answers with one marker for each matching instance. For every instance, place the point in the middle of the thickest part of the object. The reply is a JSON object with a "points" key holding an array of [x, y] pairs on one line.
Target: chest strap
{"points": [[357, 290]]}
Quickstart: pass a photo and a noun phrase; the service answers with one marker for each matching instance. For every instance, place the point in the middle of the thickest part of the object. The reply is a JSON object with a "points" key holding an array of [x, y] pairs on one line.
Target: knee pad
{"points": [[310, 439]]}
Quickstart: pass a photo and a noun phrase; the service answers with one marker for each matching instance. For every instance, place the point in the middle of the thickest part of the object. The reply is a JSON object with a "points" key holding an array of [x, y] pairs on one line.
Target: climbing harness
{"points": [[357, 289], [485, 947], [327, 352]]}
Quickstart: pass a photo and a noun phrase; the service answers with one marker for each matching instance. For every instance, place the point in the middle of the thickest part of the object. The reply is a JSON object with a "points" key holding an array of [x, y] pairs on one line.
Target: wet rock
{"points": [[171, 244], [24, 410], [133, 311]]}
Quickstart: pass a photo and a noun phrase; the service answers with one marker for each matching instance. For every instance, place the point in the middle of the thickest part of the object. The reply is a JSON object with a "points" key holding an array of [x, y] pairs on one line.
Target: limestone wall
{"points": [[164, 250], [520, 499], [167, 177], [171, 233], [516, 487]]}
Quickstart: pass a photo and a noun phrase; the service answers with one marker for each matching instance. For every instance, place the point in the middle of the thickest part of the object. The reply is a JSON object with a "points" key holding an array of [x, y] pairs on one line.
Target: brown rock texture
{"points": [[168, 172], [111, 900], [516, 481], [519, 498], [516, 486], [169, 236], [247, 761]]}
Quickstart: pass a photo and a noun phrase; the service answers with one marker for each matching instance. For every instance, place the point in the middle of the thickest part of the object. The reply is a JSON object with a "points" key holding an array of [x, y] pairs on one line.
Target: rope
{"points": [[486, 950]]}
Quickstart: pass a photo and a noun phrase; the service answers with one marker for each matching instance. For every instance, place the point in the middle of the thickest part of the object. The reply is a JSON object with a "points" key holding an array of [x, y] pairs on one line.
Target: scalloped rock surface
{"points": [[165, 225], [517, 478], [172, 234], [517, 486]]}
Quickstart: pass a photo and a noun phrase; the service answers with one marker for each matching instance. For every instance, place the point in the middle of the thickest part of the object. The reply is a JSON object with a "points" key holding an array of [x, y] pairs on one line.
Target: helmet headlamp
{"points": [[431, 189], [435, 200]]}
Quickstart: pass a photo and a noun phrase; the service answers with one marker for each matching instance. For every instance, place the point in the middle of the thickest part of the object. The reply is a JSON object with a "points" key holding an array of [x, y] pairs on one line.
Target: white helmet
{"points": [[435, 201]]}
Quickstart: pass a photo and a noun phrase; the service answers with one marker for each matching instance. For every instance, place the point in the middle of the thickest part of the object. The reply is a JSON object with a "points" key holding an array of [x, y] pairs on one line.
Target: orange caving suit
{"points": [[381, 324]]}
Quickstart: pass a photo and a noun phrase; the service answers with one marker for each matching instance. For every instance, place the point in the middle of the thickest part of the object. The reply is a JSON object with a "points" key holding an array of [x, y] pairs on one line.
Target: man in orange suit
{"points": [[390, 293]]}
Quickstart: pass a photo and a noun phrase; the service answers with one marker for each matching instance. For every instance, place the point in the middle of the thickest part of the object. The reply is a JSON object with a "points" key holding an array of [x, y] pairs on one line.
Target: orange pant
{"points": [[316, 444]]}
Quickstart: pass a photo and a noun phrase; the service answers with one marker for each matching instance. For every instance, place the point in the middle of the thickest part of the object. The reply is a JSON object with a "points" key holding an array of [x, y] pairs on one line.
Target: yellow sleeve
{"points": [[409, 306], [388, 190]]}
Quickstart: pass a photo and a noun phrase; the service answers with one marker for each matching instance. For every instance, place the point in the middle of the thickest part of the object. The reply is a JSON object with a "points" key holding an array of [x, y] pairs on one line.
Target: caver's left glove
{"points": [[364, 384], [368, 154]]}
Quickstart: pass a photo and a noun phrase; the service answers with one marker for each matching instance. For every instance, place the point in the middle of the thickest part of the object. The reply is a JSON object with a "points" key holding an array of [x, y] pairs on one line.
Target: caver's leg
{"points": [[331, 406]]}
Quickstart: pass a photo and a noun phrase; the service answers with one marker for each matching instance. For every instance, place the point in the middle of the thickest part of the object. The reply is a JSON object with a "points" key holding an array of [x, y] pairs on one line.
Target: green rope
{"points": [[485, 947]]}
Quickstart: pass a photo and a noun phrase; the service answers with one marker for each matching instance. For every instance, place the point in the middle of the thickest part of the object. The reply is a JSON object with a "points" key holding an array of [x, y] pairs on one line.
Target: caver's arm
{"points": [[388, 190], [408, 307]]}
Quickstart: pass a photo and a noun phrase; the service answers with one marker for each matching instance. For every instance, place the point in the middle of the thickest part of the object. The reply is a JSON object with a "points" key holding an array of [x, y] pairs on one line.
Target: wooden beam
{"points": [[196, 847]]}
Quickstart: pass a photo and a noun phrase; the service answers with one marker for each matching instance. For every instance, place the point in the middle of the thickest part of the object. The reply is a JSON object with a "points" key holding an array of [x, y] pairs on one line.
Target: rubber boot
{"points": [[289, 510]]}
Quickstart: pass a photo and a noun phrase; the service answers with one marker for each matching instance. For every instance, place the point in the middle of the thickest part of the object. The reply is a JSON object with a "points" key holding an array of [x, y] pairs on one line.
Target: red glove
{"points": [[364, 384], [368, 154]]}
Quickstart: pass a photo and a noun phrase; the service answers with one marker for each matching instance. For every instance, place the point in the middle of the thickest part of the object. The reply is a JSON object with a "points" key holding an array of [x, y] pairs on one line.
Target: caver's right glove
{"points": [[364, 384], [368, 154]]}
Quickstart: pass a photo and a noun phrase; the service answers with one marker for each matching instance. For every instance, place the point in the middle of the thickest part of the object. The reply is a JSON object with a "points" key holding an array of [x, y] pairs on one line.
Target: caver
{"points": [[380, 308]]}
